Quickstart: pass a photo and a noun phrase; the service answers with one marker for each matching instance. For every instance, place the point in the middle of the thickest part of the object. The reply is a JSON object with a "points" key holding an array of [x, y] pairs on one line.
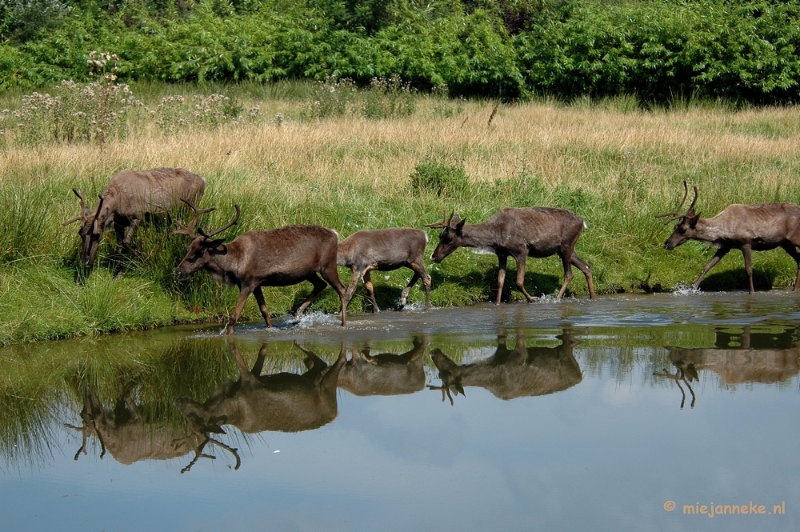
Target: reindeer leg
{"points": [[126, 242], [426, 281], [243, 371], [583, 266], [243, 293], [351, 288], [419, 273], [521, 277], [791, 249], [748, 265], [258, 367], [319, 286], [262, 305], [331, 276], [406, 290], [721, 252], [370, 290], [501, 278], [566, 262]]}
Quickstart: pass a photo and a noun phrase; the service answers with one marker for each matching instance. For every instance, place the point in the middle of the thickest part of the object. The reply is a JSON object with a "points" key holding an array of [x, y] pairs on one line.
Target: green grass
{"points": [[615, 165]]}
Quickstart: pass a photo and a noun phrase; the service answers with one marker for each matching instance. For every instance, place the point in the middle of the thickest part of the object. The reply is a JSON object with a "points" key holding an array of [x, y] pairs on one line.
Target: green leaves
{"points": [[660, 51]]}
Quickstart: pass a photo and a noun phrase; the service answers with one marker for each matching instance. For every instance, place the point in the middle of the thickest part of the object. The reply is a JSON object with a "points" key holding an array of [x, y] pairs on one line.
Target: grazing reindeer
{"points": [[128, 197], [511, 373], [129, 438], [280, 402], [519, 233], [758, 227], [385, 250], [280, 257], [385, 373]]}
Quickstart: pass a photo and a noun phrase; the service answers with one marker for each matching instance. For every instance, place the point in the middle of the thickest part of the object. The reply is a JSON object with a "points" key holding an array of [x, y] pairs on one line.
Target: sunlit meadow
{"points": [[353, 159]]}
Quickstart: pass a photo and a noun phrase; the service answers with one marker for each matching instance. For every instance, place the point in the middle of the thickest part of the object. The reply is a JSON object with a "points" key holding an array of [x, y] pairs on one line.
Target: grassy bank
{"points": [[614, 165]]}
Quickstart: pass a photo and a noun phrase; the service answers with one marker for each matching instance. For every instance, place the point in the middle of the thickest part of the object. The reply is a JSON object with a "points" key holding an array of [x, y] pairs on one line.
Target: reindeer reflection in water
{"points": [[511, 373], [758, 357], [385, 373], [125, 433], [284, 402]]}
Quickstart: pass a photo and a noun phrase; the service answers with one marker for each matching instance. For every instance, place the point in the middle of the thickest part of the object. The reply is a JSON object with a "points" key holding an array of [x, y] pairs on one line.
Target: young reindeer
{"points": [[385, 250], [758, 227], [128, 198], [518, 233], [280, 257]]}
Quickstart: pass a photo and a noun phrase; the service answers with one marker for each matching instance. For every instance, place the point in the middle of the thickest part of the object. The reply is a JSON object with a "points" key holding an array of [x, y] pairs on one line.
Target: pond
{"points": [[629, 412]]}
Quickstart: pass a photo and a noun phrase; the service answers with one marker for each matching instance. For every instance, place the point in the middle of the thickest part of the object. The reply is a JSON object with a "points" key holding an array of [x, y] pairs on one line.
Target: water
{"points": [[575, 414]]}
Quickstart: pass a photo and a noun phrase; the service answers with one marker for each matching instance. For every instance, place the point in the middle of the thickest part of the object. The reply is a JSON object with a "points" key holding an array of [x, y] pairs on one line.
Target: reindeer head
{"points": [[450, 238], [93, 224], [203, 247], [685, 229], [450, 373]]}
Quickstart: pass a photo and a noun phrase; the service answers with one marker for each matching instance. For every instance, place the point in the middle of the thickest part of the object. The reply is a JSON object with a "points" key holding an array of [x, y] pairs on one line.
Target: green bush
{"points": [[439, 178]]}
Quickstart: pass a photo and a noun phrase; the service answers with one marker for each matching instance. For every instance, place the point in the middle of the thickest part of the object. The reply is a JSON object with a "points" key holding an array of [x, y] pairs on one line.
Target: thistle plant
{"points": [[175, 113], [75, 113], [389, 98], [331, 97]]}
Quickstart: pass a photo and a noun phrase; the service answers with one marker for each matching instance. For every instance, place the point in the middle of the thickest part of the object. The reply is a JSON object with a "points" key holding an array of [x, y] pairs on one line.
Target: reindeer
{"points": [[127, 199], [511, 373], [280, 257], [385, 373], [745, 357], [129, 438], [519, 233], [385, 250], [758, 227], [284, 402]]}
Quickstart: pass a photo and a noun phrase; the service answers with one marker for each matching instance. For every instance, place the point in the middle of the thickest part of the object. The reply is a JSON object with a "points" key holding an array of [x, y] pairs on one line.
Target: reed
{"points": [[611, 162]]}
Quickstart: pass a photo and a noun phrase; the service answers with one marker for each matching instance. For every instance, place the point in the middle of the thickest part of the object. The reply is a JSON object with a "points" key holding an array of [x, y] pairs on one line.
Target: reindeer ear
{"points": [[460, 225], [693, 219], [459, 388]]}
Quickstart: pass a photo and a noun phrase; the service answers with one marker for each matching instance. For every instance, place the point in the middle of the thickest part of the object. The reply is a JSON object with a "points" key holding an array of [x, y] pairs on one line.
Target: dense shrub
{"points": [[659, 50], [439, 178]]}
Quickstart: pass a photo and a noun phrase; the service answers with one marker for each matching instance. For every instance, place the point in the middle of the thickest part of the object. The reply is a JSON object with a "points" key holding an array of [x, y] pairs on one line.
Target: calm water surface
{"points": [[624, 413]]}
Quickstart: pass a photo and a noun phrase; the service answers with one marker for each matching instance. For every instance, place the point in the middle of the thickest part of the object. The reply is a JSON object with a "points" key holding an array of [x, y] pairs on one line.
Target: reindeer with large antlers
{"points": [[130, 437], [280, 257], [127, 199], [758, 227], [518, 233]]}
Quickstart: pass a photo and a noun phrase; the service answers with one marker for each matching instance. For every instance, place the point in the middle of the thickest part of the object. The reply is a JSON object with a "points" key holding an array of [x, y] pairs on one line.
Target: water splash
{"points": [[683, 290]]}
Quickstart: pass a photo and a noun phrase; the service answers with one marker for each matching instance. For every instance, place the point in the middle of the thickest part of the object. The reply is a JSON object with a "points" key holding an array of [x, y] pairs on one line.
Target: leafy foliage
{"points": [[661, 51]]}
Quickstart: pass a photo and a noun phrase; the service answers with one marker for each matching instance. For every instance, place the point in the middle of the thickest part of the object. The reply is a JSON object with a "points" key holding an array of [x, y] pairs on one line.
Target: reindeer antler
{"points": [[221, 229], [445, 221], [83, 207], [198, 453], [674, 215], [445, 388], [189, 230]]}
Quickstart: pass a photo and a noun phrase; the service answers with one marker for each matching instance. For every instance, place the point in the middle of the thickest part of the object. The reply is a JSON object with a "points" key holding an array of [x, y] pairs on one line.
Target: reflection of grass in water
{"points": [[42, 385]]}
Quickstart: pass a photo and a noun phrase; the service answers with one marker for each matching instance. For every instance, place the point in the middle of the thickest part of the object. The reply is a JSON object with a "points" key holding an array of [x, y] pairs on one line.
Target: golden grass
{"points": [[558, 145]]}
